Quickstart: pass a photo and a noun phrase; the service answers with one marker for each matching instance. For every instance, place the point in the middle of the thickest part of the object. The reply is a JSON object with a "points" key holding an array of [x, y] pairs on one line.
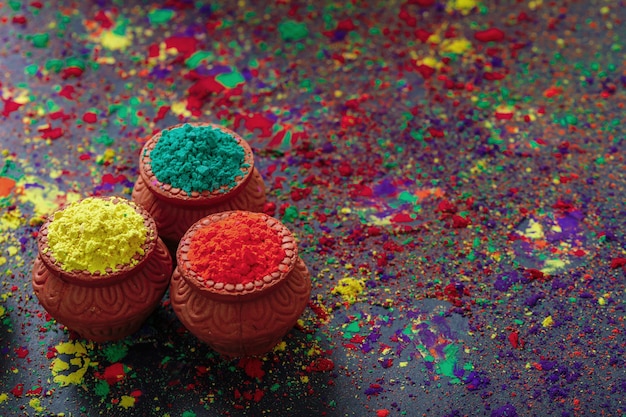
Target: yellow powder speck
{"points": [[77, 365], [11, 219], [534, 230], [547, 322], [349, 289], [45, 197], [602, 301], [115, 42], [4, 397], [180, 108], [59, 365], [281, 347], [463, 6], [71, 348], [3, 260], [2, 311], [553, 265], [304, 379], [127, 401], [95, 234], [431, 62], [456, 46], [35, 403], [434, 38]]}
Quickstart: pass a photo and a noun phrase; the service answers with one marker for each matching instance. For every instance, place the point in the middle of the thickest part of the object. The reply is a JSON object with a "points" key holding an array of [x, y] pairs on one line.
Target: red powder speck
{"points": [[489, 35], [90, 117], [236, 250]]}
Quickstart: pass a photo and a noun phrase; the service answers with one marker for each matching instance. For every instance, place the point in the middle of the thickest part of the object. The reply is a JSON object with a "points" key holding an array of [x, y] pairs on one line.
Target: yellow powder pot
{"points": [[100, 300]]}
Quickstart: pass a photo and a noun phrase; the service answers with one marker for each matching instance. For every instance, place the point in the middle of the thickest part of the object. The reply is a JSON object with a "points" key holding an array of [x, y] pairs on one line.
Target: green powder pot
{"points": [[175, 210]]}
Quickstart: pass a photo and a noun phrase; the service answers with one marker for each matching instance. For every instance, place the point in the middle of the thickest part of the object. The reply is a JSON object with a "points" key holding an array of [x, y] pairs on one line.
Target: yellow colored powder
{"points": [[456, 46], [35, 403], [3, 397], [349, 289], [547, 322], [95, 234], [113, 41], [463, 6], [553, 265], [77, 366], [127, 401]]}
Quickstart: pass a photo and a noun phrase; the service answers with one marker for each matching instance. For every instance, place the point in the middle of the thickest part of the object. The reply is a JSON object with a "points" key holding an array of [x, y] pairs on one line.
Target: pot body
{"points": [[103, 305], [240, 319], [235, 325], [174, 211], [99, 310]]}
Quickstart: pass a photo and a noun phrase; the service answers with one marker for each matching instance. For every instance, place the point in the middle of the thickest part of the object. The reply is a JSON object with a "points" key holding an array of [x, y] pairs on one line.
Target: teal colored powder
{"points": [[199, 158]]}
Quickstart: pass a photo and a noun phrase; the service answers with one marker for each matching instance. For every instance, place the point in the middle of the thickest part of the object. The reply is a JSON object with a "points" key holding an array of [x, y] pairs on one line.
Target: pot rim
{"points": [[228, 290], [176, 195], [97, 278]]}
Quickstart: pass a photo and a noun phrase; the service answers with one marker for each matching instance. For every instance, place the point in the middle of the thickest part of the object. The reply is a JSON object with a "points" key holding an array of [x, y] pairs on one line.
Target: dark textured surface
{"points": [[455, 178]]}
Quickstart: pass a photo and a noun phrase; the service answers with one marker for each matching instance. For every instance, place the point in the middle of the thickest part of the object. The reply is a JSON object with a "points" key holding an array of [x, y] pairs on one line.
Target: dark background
{"points": [[459, 164]]}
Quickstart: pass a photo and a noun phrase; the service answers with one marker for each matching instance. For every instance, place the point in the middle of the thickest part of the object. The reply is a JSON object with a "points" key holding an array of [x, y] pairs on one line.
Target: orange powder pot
{"points": [[243, 302]]}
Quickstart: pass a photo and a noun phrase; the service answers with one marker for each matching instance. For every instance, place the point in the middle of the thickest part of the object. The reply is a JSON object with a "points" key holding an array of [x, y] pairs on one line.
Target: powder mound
{"points": [[197, 158], [236, 250], [95, 234]]}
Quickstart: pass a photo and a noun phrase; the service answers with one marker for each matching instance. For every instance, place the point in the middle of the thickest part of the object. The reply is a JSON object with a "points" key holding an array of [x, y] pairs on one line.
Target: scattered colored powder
{"points": [[41, 40], [6, 185], [237, 250], [127, 401], [80, 360], [35, 404], [349, 289], [95, 234], [115, 352], [456, 46], [547, 322], [447, 366], [463, 6], [102, 388], [160, 16], [3, 397], [292, 31], [197, 158], [115, 42]]}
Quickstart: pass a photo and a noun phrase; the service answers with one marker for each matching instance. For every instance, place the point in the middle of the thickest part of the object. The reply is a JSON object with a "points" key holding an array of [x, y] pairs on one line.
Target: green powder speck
{"points": [[41, 40], [291, 30], [102, 388], [115, 352], [197, 158]]}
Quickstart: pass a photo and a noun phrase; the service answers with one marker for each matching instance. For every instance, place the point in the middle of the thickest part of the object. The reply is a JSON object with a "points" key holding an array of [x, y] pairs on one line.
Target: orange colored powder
{"points": [[236, 250]]}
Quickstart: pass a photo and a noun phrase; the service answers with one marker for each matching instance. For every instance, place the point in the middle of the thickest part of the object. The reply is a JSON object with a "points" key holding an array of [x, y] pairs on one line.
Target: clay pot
{"points": [[241, 320], [174, 210], [109, 306]]}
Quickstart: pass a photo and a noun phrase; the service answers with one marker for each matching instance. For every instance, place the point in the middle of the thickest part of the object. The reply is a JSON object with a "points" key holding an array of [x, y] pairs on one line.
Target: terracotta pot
{"points": [[241, 320], [174, 210], [109, 306]]}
